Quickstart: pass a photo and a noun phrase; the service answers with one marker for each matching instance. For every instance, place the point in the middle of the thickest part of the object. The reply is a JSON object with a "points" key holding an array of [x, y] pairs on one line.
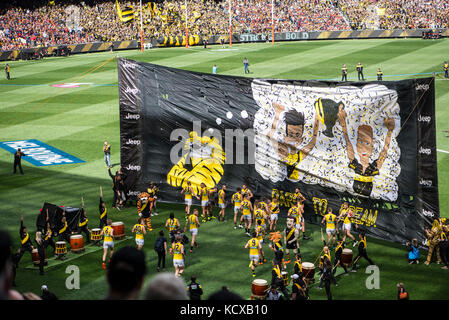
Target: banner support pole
{"points": [[141, 27], [230, 25], [187, 32]]}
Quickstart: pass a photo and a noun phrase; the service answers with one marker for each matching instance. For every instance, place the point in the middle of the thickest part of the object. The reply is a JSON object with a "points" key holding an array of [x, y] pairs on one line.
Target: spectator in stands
{"points": [[166, 286], [126, 274]]}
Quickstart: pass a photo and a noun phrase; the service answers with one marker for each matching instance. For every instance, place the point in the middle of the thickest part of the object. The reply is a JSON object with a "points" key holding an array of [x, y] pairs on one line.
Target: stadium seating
{"points": [[55, 24]]}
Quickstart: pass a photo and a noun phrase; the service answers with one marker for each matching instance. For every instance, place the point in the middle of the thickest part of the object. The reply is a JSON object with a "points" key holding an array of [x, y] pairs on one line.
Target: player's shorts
{"points": [[274, 216], [108, 244], [298, 226], [247, 217], [292, 245], [347, 226], [204, 203], [194, 231], [330, 231], [254, 257], [188, 202], [178, 263], [236, 209], [261, 241], [222, 205], [140, 242]]}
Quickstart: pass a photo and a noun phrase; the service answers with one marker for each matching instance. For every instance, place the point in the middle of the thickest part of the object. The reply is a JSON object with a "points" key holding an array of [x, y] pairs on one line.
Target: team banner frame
{"points": [[371, 144]]}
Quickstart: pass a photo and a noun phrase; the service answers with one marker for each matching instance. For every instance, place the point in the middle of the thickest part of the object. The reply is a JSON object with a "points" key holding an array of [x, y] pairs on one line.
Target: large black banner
{"points": [[371, 144]]}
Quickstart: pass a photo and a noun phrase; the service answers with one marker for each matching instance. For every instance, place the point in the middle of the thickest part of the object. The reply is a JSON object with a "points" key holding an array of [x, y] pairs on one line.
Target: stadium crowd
{"points": [[289, 15], [396, 14], [41, 23]]}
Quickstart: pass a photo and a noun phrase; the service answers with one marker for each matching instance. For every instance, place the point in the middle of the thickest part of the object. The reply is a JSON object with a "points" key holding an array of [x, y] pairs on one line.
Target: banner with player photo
{"points": [[371, 144]]}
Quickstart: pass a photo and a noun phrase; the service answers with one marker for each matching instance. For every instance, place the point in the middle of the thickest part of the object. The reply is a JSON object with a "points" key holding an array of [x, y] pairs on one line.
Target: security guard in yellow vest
{"points": [[379, 74], [446, 69]]}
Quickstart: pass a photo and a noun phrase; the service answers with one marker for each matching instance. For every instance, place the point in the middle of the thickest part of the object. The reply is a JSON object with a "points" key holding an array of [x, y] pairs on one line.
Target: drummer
{"points": [[338, 257], [255, 246], [108, 241], [103, 211], [297, 267], [82, 224], [345, 215], [299, 288], [276, 278]]}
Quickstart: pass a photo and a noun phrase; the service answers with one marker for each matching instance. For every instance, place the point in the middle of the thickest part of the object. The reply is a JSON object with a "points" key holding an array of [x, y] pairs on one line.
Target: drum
{"points": [[95, 235], [308, 270], [119, 230], [77, 243], [259, 288], [61, 247], [36, 258], [346, 257], [285, 277]]}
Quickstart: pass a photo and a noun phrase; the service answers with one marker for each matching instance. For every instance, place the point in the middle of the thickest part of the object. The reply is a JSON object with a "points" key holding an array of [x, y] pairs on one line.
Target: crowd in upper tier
{"points": [[25, 24]]}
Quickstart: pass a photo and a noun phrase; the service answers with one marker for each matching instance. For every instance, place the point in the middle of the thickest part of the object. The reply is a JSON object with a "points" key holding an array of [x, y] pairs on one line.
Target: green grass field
{"points": [[78, 120]]}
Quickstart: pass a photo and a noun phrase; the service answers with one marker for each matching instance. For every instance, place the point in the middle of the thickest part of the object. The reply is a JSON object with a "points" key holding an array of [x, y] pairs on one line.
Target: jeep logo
{"points": [[133, 193], [130, 116], [424, 119], [427, 213], [427, 151], [426, 183], [129, 65], [131, 90], [133, 142], [423, 87], [132, 168]]}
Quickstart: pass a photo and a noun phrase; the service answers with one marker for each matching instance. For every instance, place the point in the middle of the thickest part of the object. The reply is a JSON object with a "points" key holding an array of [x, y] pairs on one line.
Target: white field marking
{"points": [[444, 151], [233, 49]]}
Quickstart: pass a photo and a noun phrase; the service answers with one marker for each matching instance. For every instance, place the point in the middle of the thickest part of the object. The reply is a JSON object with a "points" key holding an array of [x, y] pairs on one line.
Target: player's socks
{"points": [[250, 264], [104, 266]]}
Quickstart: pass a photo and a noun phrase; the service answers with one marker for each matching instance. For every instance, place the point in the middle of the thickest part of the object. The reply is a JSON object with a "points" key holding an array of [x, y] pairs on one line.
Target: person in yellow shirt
{"points": [[139, 230], [254, 247], [246, 191], [298, 197], [204, 197], [222, 203], [108, 241], [273, 207], [177, 250], [260, 215], [236, 199], [260, 234], [188, 193], [330, 220], [193, 224], [345, 215], [172, 224], [247, 209]]}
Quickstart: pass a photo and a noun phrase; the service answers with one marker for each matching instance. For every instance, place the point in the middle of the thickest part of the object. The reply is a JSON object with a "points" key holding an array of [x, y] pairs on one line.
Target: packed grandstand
{"points": [[44, 23]]}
